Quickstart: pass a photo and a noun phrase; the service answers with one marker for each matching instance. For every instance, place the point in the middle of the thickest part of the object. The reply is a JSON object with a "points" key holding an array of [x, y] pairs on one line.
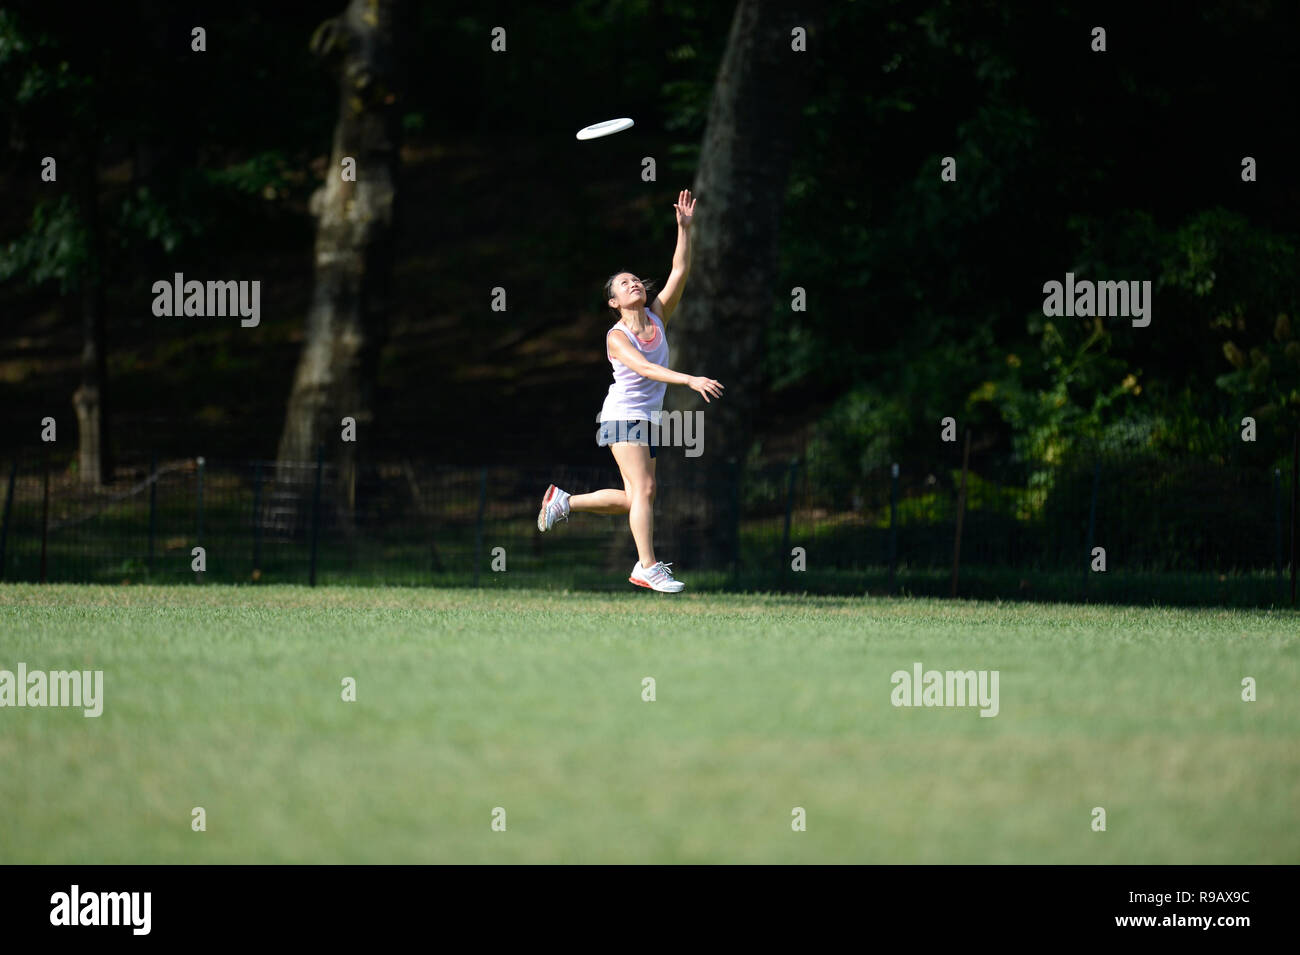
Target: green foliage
{"points": [[685, 157], [1072, 390], [56, 244], [255, 176], [31, 68], [689, 101], [686, 97], [905, 291], [142, 214], [1085, 380], [55, 247], [1268, 381], [930, 507], [1246, 278], [854, 439]]}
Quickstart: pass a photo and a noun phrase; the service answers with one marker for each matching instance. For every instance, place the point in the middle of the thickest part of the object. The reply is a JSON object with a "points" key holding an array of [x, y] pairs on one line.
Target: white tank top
{"points": [[632, 396]]}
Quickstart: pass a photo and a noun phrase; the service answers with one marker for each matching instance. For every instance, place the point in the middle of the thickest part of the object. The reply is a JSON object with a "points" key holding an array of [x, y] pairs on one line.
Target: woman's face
{"points": [[628, 291]]}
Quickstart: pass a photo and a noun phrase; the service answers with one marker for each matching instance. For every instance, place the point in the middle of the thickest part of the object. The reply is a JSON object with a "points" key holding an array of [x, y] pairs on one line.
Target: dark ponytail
{"points": [[648, 286]]}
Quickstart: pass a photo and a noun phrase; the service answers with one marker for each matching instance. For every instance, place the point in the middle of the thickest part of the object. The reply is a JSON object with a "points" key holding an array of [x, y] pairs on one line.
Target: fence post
{"points": [[789, 512], [257, 518], [893, 526], [961, 513], [1277, 531], [315, 509], [478, 529], [9, 507], [1092, 525], [153, 505], [199, 540], [44, 508]]}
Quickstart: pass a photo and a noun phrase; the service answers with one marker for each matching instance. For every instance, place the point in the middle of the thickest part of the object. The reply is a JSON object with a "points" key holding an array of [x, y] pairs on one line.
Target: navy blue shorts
{"points": [[633, 431]]}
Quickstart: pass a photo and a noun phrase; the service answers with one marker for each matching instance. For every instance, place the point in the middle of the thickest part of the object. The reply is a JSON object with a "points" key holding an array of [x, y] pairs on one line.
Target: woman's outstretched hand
{"points": [[685, 207], [706, 387]]}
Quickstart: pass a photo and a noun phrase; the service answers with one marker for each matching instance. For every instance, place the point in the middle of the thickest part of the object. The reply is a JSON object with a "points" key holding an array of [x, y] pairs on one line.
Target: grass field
{"points": [[229, 698]]}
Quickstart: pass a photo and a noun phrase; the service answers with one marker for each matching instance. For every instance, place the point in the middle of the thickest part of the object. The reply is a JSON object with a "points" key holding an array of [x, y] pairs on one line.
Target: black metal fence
{"points": [[1103, 524]]}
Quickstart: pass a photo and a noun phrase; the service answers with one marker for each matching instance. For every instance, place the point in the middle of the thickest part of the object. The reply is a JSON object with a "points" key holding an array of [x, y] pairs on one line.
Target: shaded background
{"points": [[924, 297]]}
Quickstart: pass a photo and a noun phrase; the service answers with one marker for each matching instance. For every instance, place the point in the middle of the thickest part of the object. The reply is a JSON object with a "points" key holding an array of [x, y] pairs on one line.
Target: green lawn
{"points": [[229, 698]]}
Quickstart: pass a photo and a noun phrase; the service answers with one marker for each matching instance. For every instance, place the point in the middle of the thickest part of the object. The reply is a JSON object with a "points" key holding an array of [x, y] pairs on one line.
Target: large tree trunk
{"points": [[354, 240], [94, 453], [718, 330]]}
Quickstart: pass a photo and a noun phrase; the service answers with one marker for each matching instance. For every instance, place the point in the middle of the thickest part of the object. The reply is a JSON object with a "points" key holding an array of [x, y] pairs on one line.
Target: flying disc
{"points": [[607, 128]]}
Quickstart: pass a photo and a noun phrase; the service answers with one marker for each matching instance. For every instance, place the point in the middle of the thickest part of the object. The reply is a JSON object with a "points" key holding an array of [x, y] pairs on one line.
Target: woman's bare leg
{"points": [[639, 476], [607, 501]]}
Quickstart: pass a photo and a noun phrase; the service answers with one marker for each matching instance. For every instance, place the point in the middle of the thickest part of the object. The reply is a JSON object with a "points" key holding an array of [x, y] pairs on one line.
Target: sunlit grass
{"points": [[229, 699]]}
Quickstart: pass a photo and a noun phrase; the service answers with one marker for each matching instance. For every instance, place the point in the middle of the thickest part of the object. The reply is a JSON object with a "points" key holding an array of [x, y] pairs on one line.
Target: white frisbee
{"points": [[607, 128]]}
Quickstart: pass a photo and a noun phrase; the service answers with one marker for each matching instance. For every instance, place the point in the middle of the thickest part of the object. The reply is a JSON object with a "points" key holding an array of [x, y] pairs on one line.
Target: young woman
{"points": [[637, 348]]}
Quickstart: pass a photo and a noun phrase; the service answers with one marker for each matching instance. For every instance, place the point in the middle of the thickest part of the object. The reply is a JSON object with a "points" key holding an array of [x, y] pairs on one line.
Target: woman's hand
{"points": [[706, 387], [685, 207]]}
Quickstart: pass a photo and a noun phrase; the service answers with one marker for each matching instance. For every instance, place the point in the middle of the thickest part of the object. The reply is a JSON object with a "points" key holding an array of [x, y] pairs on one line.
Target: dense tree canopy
{"points": [[924, 297]]}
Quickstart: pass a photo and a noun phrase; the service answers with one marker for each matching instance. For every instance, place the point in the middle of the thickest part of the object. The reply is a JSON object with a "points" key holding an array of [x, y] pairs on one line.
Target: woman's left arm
{"points": [[665, 302]]}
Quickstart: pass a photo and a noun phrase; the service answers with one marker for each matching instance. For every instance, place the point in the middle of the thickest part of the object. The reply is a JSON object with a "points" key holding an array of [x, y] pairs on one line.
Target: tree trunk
{"points": [[346, 323], [94, 453], [718, 330]]}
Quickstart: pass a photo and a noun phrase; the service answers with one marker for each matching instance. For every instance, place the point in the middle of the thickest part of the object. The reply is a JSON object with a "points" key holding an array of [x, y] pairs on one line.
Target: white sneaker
{"points": [[658, 577], [555, 507]]}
